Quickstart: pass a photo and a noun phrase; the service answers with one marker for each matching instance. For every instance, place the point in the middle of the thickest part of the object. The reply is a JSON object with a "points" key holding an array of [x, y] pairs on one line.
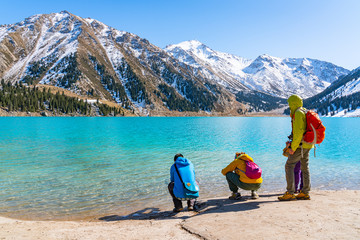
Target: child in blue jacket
{"points": [[176, 187]]}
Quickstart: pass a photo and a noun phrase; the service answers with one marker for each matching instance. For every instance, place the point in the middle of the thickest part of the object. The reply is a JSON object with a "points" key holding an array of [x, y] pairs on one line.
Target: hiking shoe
{"points": [[287, 197], [235, 196], [176, 210], [303, 196], [190, 208], [254, 195]]}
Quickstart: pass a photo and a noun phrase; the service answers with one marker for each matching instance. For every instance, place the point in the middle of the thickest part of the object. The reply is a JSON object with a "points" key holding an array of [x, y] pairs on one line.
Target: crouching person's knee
{"points": [[228, 175]]}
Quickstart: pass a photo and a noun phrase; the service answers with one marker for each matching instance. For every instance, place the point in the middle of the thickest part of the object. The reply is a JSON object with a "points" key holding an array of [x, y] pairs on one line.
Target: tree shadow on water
{"points": [[219, 205]]}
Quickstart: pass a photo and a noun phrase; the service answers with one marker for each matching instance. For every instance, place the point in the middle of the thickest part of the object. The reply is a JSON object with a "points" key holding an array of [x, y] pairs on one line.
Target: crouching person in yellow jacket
{"points": [[236, 178]]}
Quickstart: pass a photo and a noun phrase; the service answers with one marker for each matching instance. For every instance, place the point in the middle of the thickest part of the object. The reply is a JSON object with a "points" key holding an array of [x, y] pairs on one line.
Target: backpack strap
{"points": [[177, 170], [304, 110], [315, 137], [245, 165], [293, 117], [240, 170]]}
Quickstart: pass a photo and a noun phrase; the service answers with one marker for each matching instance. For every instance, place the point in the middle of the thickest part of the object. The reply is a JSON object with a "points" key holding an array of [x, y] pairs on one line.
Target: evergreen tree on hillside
{"points": [[116, 89], [260, 101], [331, 100], [25, 99], [203, 97]]}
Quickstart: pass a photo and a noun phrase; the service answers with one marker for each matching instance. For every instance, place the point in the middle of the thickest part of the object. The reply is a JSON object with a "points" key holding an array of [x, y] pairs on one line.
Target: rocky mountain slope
{"points": [[92, 59], [340, 99]]}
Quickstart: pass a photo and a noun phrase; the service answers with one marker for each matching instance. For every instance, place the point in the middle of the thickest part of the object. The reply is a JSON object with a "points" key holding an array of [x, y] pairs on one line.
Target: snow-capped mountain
{"points": [[347, 86], [220, 67], [279, 77], [342, 98], [89, 57]]}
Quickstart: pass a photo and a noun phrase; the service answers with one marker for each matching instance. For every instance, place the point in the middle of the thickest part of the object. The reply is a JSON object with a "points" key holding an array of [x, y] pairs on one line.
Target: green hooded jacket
{"points": [[298, 121]]}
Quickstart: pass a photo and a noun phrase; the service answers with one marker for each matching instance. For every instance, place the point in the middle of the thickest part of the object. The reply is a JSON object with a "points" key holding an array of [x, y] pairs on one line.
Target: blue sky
{"points": [[325, 30]]}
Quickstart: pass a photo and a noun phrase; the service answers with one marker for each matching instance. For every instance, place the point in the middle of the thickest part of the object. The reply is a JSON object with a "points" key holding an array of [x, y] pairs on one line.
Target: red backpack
{"points": [[315, 130]]}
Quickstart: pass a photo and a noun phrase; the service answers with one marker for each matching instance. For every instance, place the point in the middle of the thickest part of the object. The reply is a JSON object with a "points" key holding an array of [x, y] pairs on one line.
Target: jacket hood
{"points": [[180, 161], [294, 103], [245, 157]]}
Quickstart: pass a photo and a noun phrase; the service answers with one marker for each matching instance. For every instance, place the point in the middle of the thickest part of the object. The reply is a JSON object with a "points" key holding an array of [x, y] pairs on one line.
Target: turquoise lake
{"points": [[72, 168]]}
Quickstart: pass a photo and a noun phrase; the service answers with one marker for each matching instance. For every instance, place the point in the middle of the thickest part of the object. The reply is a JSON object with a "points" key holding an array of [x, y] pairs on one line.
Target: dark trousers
{"points": [[235, 183], [177, 202]]}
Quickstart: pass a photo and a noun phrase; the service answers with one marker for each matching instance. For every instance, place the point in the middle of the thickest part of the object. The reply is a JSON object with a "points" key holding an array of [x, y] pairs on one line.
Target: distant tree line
{"points": [[106, 110], [259, 101], [31, 99]]}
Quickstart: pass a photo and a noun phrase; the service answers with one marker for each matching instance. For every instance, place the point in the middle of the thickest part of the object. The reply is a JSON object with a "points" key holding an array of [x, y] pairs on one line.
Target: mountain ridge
{"points": [[87, 56], [342, 98], [90, 58], [279, 77]]}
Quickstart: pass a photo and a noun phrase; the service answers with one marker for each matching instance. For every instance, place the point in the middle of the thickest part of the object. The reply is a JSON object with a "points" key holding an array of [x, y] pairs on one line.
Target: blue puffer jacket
{"points": [[187, 172]]}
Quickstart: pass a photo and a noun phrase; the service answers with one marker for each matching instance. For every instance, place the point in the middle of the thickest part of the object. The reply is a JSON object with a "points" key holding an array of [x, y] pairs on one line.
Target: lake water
{"points": [[72, 168]]}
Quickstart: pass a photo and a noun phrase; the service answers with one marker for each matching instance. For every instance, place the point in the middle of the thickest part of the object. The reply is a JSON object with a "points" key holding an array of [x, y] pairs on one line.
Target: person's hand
{"points": [[288, 143], [291, 152]]}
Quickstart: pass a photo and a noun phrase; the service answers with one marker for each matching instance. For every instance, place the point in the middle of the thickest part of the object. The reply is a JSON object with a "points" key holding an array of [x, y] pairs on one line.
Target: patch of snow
{"points": [[346, 113], [45, 45], [347, 89]]}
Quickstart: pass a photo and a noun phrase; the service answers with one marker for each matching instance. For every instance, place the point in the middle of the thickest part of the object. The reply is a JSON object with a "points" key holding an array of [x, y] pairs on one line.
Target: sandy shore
{"points": [[328, 215]]}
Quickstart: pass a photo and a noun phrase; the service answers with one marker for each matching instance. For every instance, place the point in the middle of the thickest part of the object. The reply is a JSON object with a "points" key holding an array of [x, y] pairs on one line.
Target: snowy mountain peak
{"points": [[65, 12], [221, 67], [355, 70], [85, 55], [88, 57], [306, 62], [193, 47], [190, 45], [267, 58], [274, 75]]}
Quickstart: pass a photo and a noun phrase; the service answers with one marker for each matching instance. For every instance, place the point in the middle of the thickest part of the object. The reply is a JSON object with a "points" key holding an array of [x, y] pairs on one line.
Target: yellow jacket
{"points": [[237, 165]]}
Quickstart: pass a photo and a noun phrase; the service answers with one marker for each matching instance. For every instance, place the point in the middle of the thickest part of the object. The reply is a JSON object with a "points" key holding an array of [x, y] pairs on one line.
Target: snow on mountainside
{"points": [[349, 88], [279, 77], [221, 67], [91, 58], [340, 99], [221, 60], [46, 37]]}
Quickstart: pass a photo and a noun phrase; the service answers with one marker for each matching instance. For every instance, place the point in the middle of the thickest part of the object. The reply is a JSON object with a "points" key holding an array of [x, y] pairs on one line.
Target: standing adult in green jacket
{"points": [[299, 151]]}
